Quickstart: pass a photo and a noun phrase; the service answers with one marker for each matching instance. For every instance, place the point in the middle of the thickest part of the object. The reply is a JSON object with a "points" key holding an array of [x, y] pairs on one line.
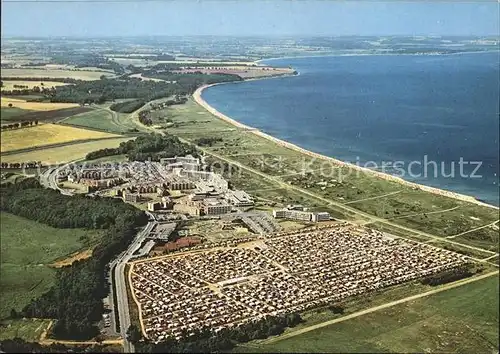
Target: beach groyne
{"points": [[197, 96]]}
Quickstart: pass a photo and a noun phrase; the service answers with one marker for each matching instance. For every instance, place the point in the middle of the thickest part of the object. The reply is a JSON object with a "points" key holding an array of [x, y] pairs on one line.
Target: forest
{"points": [[148, 147], [106, 89], [103, 90], [75, 300]]}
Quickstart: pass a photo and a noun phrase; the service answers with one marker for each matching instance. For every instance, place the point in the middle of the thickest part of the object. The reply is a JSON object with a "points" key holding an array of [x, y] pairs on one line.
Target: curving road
{"points": [[119, 286]]}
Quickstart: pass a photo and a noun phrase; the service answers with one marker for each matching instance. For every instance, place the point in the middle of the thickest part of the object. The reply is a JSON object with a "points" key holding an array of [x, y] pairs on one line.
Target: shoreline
{"points": [[259, 61], [197, 96]]}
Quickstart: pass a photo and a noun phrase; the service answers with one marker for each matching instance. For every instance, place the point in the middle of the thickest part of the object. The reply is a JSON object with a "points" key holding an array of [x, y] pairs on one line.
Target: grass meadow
{"points": [[34, 106], [97, 119], [8, 114], [46, 134], [28, 249]]}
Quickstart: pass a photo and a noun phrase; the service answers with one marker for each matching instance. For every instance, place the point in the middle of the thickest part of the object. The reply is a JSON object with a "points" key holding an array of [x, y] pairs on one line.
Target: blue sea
{"points": [[435, 111]]}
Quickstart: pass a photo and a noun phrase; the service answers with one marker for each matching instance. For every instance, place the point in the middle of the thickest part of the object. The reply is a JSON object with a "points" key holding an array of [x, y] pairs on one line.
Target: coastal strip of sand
{"points": [[197, 96]]}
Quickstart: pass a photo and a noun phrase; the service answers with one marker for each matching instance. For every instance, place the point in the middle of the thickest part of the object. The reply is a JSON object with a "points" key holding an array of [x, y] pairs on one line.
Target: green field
{"points": [[101, 119], [8, 114], [27, 249], [113, 158], [463, 319], [29, 329]]}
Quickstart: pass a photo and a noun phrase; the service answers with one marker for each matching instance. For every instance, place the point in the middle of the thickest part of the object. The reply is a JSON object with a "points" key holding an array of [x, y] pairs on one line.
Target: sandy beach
{"points": [[197, 96]]}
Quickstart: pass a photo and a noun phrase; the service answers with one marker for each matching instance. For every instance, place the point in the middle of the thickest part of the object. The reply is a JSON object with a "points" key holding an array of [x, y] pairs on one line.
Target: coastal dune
{"points": [[197, 96]]}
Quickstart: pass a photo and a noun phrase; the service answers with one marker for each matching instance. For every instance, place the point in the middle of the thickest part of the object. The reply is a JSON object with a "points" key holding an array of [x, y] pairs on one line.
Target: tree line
{"points": [[28, 164], [127, 106], [447, 276], [75, 300], [151, 147], [19, 125], [207, 141], [35, 90], [18, 345]]}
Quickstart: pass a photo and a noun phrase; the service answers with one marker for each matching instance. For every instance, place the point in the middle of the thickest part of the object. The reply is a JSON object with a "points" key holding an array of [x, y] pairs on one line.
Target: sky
{"points": [[247, 18]]}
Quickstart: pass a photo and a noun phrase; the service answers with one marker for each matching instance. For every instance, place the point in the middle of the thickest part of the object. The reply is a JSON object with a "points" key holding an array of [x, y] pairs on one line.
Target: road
{"points": [[119, 286], [48, 179], [380, 307], [117, 267], [476, 229]]}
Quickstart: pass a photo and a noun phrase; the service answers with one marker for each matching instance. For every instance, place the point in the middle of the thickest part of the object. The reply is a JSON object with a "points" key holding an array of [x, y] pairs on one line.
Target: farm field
{"points": [[9, 84], [46, 134], [463, 319], [64, 154], [34, 106], [101, 119], [45, 116], [27, 249], [11, 113], [43, 72]]}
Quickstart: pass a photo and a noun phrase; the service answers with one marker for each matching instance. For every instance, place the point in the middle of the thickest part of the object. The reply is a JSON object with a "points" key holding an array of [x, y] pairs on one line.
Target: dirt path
{"points": [[75, 256], [477, 228], [380, 307], [426, 213], [375, 197]]}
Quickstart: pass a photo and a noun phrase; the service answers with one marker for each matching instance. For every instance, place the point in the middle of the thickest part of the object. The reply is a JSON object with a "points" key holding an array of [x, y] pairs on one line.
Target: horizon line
{"points": [[496, 36]]}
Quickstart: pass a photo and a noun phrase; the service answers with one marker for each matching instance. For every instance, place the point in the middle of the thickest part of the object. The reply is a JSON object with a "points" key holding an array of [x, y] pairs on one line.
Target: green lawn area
{"points": [[27, 248], [29, 329], [462, 319], [10, 113], [113, 158]]}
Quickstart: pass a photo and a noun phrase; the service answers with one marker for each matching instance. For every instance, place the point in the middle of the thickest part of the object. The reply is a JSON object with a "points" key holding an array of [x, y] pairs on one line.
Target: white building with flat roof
{"points": [[239, 198], [320, 216]]}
